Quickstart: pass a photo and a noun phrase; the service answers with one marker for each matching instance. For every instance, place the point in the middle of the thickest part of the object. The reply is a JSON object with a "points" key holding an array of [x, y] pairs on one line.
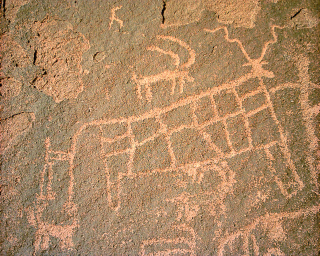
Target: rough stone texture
{"points": [[151, 127]]}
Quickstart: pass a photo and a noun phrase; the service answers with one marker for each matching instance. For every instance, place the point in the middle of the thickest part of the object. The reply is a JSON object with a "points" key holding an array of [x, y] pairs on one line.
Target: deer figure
{"points": [[180, 74]]}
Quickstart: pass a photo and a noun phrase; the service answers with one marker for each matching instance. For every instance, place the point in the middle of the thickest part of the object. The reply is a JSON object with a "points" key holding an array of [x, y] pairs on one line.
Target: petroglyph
{"points": [[272, 223], [125, 145], [180, 75], [256, 64], [44, 229], [170, 138], [309, 112], [172, 246], [114, 18], [259, 72], [59, 53]]}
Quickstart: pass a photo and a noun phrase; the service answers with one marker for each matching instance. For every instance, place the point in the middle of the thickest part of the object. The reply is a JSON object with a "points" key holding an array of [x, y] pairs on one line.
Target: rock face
{"points": [[160, 127], [59, 53]]}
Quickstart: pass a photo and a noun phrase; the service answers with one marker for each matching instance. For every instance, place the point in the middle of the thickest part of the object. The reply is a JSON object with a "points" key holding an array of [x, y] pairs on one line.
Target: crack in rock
{"points": [[164, 6], [296, 14]]}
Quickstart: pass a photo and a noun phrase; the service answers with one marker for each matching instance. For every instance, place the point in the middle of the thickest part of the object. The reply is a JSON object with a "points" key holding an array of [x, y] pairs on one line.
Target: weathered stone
{"points": [[171, 127]]}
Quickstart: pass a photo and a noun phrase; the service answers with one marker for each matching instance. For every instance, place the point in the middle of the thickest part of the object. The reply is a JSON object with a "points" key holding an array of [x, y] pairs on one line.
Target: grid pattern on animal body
{"points": [[204, 111], [239, 125]]}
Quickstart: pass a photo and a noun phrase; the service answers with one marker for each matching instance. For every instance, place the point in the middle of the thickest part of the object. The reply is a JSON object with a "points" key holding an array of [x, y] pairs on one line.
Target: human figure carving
{"points": [[44, 229], [114, 18]]}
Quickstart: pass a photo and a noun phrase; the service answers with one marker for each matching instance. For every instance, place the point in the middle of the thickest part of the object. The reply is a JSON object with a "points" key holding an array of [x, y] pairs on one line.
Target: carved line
{"points": [[114, 18], [180, 73], [275, 217]]}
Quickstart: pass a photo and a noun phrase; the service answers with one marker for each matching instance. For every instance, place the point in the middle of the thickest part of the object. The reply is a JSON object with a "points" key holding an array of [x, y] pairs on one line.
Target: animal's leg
{"points": [[139, 91], [37, 242], [173, 86], [45, 242], [181, 84], [148, 93], [138, 88]]}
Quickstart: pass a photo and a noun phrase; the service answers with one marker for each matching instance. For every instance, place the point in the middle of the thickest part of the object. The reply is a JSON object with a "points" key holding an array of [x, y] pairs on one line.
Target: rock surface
{"points": [[171, 127]]}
